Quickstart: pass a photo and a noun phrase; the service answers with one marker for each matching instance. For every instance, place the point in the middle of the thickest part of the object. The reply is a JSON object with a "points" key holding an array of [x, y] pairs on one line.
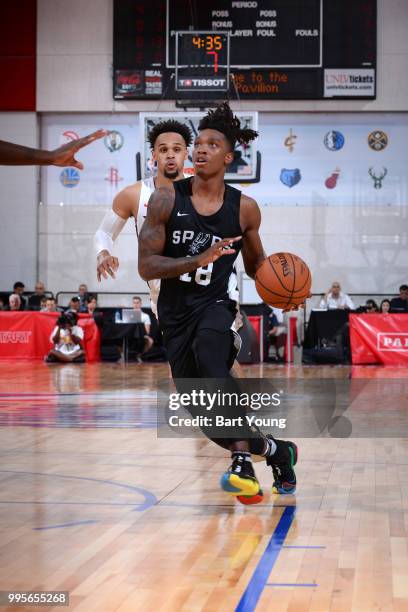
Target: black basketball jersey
{"points": [[182, 299]]}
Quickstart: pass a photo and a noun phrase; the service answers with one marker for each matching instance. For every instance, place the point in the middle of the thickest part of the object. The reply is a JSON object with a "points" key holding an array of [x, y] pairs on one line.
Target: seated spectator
{"points": [[276, 335], [335, 298], [14, 302], [83, 297], [92, 304], [34, 300], [18, 288], [50, 305], [94, 311], [400, 304], [148, 340], [385, 306], [74, 305], [43, 304], [371, 306], [2, 305], [67, 338]]}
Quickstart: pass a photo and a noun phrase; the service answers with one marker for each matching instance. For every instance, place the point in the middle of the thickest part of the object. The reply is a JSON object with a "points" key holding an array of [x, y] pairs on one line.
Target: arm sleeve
{"points": [[106, 234]]}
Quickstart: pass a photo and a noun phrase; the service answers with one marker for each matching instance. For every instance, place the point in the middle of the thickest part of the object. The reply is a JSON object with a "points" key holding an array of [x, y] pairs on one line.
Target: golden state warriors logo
{"points": [[377, 140], [69, 177]]}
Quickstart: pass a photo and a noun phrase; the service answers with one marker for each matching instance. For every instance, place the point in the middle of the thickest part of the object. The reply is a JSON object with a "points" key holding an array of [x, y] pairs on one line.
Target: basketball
{"points": [[283, 280]]}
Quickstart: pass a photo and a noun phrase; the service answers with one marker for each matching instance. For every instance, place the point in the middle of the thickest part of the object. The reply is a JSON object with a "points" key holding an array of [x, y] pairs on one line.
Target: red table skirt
{"points": [[26, 335], [379, 338]]}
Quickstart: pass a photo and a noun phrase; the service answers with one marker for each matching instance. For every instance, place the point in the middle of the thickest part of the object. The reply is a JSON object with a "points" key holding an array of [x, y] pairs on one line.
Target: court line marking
{"points": [[299, 546], [257, 583], [290, 584], [149, 498], [73, 524]]}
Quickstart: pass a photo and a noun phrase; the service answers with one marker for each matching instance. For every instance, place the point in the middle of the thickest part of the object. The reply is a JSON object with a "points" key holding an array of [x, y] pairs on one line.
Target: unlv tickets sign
{"points": [[377, 338]]}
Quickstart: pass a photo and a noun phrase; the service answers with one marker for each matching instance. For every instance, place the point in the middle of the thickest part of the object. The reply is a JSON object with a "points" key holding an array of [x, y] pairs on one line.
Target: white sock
{"points": [[271, 449]]}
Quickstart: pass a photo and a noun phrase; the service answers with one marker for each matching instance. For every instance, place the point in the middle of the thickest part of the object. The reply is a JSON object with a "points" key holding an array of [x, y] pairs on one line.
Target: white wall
{"points": [[75, 57], [354, 233], [18, 206]]}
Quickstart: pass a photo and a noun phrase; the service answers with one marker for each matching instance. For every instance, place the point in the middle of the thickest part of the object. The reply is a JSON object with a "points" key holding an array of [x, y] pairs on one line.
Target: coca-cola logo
{"points": [[392, 341]]}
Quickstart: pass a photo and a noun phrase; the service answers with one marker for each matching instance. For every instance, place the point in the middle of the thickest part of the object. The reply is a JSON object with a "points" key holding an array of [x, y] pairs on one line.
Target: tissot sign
{"points": [[203, 84]]}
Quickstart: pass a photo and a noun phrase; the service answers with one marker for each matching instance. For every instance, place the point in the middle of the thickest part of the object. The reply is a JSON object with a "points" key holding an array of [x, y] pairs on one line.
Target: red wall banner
{"points": [[26, 335], [379, 338]]}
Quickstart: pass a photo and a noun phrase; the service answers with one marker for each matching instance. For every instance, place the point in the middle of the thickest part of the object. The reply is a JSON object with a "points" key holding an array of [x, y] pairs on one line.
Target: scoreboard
{"points": [[248, 49]]}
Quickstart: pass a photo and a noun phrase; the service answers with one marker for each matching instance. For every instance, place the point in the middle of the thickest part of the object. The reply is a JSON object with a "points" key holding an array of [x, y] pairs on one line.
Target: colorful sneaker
{"points": [[282, 462], [250, 500], [240, 480]]}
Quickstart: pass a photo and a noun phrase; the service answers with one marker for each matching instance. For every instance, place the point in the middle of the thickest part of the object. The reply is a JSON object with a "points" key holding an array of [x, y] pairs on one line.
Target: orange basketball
{"points": [[283, 280]]}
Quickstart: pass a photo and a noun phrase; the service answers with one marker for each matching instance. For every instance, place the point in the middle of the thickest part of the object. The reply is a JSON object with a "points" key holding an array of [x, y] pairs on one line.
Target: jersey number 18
{"points": [[202, 275]]}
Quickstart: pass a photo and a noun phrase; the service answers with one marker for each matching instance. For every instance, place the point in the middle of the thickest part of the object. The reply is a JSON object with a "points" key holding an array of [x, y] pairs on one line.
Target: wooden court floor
{"points": [[93, 503]]}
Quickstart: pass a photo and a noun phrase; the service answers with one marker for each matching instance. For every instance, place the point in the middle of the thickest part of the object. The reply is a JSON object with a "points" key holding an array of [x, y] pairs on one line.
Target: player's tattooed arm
{"points": [[152, 241], [252, 249]]}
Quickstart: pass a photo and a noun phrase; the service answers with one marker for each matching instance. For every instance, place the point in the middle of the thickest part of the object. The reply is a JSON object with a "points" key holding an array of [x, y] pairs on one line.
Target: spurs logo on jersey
{"points": [[199, 242], [188, 234]]}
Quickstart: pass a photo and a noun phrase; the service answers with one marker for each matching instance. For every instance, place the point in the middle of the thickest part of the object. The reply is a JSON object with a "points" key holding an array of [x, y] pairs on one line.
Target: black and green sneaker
{"points": [[282, 462]]}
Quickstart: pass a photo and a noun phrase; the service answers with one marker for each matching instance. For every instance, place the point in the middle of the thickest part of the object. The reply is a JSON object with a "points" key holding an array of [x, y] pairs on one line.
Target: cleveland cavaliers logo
{"points": [[199, 242]]}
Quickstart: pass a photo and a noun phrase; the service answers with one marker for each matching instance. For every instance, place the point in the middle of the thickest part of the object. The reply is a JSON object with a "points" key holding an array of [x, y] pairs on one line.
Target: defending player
{"points": [[191, 237], [169, 141]]}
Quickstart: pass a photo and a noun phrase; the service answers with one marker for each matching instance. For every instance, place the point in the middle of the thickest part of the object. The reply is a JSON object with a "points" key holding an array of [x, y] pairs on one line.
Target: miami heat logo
{"points": [[198, 243], [331, 182]]}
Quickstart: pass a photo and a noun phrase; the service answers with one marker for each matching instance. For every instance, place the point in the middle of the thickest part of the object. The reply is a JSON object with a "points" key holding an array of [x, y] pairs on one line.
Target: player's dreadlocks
{"points": [[170, 126], [223, 120]]}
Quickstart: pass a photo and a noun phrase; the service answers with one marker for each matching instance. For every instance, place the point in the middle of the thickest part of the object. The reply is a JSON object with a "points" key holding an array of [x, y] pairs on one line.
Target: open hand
{"points": [[106, 264], [217, 250], [65, 155]]}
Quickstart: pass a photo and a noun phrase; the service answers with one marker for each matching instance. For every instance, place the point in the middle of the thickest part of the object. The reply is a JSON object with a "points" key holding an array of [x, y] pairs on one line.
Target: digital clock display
{"points": [[209, 42], [202, 61]]}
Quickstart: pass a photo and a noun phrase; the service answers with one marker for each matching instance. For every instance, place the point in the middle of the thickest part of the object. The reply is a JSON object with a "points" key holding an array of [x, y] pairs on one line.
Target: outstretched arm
{"points": [[152, 240], [17, 155], [124, 205], [252, 249]]}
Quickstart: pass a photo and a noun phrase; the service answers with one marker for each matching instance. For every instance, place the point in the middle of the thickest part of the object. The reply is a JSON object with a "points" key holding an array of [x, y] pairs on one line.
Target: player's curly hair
{"points": [[171, 125], [223, 120]]}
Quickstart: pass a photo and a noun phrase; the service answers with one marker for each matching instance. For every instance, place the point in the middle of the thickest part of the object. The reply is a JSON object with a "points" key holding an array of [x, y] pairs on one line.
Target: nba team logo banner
{"points": [[349, 82], [290, 178], [377, 338]]}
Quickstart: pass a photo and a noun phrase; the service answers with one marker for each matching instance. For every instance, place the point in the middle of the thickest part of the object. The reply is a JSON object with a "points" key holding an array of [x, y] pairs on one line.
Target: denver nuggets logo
{"points": [[377, 140]]}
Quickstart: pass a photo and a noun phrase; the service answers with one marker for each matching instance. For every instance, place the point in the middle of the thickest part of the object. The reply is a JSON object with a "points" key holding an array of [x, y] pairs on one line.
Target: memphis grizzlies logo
{"points": [[290, 178], [198, 243], [334, 141]]}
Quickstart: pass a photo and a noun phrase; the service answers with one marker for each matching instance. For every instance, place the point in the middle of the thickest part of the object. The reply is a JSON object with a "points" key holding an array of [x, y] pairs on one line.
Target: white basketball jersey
{"points": [[146, 191]]}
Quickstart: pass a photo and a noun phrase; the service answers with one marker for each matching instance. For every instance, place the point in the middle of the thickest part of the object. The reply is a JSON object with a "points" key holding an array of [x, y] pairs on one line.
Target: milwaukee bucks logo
{"points": [[377, 178]]}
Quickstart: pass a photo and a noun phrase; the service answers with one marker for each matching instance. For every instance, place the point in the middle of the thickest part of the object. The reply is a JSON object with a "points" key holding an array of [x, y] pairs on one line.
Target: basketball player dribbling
{"points": [[169, 141], [190, 239]]}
